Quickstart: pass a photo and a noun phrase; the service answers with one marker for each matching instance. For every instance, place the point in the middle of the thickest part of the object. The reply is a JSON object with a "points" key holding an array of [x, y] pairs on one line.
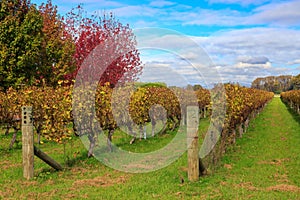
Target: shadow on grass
{"points": [[80, 157]]}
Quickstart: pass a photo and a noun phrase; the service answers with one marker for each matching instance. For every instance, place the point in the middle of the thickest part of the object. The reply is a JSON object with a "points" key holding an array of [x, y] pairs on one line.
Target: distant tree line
{"points": [[277, 84]]}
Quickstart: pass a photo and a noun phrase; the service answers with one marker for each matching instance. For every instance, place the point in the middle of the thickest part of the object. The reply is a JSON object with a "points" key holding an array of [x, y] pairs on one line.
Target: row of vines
{"points": [[55, 118], [242, 105], [292, 98]]}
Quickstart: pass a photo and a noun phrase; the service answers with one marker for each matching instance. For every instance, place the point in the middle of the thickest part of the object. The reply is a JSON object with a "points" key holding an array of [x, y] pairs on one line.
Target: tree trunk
{"points": [[7, 130], [92, 145], [13, 140], [109, 139]]}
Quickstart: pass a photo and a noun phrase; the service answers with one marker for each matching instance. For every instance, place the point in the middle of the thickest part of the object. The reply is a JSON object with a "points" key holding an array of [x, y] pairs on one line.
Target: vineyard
{"points": [[82, 116], [138, 107], [114, 108], [292, 98]]}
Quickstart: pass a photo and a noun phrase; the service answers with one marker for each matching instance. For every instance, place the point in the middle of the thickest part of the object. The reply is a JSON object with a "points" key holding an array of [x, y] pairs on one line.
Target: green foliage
{"points": [[34, 47], [20, 42], [145, 85], [197, 87]]}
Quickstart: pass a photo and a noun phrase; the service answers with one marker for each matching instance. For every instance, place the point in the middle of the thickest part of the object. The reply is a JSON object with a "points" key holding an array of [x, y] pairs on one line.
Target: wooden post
{"points": [[192, 142], [205, 112], [27, 142], [44, 157]]}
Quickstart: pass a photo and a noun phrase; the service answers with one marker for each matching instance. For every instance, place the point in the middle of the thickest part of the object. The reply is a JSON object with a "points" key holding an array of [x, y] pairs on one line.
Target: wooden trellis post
{"points": [[192, 142], [28, 148], [27, 142]]}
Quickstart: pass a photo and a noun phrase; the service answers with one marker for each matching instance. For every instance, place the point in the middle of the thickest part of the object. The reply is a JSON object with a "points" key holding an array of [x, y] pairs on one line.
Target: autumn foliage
{"points": [[38, 46], [39, 49], [292, 99], [35, 47], [131, 108], [57, 47], [117, 42]]}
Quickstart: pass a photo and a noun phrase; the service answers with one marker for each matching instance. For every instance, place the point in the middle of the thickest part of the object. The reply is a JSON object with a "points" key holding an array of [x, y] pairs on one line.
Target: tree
{"points": [[197, 87], [34, 44], [275, 84], [89, 33], [56, 56], [20, 41], [105, 54], [296, 82]]}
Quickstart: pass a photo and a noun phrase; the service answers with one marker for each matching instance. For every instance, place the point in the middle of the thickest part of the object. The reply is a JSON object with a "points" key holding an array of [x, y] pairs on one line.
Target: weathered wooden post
{"points": [[205, 112], [192, 142], [27, 142], [47, 159]]}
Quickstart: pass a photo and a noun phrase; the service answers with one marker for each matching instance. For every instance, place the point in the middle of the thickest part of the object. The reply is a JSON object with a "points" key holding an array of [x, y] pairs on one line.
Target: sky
{"points": [[204, 42]]}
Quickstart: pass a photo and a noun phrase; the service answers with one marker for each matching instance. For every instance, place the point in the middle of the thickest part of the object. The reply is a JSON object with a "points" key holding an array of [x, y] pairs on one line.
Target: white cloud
{"points": [[284, 14], [144, 23], [294, 62], [175, 71], [164, 13], [245, 73], [94, 2], [199, 16], [242, 2], [190, 55], [161, 3], [162, 72], [165, 41], [246, 66], [244, 54], [278, 45], [253, 60], [137, 11]]}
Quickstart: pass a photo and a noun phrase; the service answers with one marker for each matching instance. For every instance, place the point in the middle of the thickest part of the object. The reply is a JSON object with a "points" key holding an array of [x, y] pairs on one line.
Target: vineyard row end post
{"points": [[192, 142], [27, 142]]}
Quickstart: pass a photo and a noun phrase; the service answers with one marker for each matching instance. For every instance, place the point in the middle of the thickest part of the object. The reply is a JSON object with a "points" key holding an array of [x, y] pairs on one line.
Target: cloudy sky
{"points": [[210, 40]]}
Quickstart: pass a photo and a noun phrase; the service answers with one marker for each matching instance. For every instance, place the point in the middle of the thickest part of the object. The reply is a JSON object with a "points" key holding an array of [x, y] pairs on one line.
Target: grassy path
{"points": [[265, 163]]}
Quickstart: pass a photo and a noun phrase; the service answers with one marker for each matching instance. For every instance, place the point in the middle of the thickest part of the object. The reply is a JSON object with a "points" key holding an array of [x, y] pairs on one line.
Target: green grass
{"points": [[264, 164]]}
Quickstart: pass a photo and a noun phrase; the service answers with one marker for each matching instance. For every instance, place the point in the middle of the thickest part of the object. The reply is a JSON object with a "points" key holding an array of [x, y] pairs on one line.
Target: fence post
{"points": [[192, 142], [27, 142]]}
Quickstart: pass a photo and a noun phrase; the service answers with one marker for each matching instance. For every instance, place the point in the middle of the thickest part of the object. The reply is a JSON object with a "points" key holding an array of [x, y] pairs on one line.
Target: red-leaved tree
{"points": [[88, 33]]}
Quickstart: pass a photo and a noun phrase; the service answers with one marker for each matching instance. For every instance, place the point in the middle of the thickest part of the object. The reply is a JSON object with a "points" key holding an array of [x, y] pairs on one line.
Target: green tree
{"points": [[197, 87], [20, 42], [35, 47]]}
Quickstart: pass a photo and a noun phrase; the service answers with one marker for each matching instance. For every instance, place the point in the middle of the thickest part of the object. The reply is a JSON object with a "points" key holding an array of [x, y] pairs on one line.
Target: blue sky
{"points": [[244, 39]]}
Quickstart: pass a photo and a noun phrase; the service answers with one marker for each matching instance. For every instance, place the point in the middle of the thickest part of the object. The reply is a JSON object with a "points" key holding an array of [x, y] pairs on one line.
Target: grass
{"points": [[261, 165]]}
